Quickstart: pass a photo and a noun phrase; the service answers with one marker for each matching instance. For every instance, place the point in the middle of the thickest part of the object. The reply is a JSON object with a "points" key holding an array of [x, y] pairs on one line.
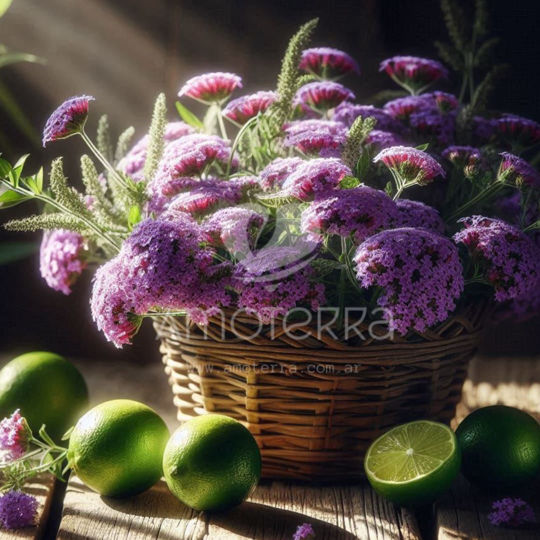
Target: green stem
{"points": [[221, 123], [103, 160], [48, 200], [487, 192]]}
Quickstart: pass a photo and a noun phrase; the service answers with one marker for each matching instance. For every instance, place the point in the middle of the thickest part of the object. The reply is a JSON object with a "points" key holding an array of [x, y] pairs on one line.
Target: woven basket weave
{"points": [[315, 405]]}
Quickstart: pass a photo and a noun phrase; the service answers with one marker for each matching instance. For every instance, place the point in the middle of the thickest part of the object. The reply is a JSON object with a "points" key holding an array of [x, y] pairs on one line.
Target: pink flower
{"points": [[242, 109], [411, 164], [68, 119], [235, 228], [402, 108], [322, 137], [359, 212], [211, 87], [323, 95], [517, 130], [412, 72], [276, 172], [315, 176], [14, 437], [62, 259], [518, 170], [382, 139], [326, 62]]}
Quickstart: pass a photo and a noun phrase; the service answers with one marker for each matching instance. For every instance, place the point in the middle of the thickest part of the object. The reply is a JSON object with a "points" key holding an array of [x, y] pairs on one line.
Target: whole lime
{"points": [[47, 388], [212, 462], [117, 448], [500, 446], [412, 464]]}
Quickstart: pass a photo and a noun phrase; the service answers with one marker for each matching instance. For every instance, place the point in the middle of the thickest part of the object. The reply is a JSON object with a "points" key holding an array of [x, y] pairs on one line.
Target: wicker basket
{"points": [[315, 405]]}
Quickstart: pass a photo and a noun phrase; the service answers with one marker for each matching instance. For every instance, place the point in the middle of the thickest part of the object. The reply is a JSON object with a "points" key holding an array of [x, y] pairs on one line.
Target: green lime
{"points": [[46, 388], [500, 446], [117, 448], [413, 463], [212, 462]]}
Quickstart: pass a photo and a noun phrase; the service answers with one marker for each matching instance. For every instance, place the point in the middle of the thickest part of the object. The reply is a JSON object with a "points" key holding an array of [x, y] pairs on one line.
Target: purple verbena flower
{"points": [[431, 124], [276, 172], [304, 532], [483, 128], [518, 170], [236, 229], [419, 272], [382, 139], [323, 95], [208, 194], [402, 108], [315, 176], [347, 113], [360, 212], [276, 279], [411, 164], [444, 101], [511, 512], [161, 265], [62, 259], [14, 437], [211, 87], [242, 109], [417, 214], [316, 136], [68, 119], [17, 510], [326, 62], [517, 130], [509, 259], [413, 72], [133, 162]]}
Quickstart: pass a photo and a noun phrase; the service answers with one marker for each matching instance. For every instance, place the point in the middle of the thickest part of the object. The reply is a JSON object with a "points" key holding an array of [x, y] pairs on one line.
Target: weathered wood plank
{"points": [[43, 489], [462, 513], [272, 513]]}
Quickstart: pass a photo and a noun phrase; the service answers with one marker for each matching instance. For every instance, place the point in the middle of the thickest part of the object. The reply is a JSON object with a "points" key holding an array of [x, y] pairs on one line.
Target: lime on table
{"points": [[47, 388], [117, 448], [212, 462], [413, 463], [500, 447]]}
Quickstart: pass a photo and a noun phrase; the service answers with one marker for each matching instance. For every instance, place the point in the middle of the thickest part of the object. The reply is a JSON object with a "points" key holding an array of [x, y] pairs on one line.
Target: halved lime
{"points": [[413, 463]]}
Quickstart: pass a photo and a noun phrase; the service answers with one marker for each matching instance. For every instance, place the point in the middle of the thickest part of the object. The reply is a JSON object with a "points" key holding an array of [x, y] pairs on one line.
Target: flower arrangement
{"points": [[296, 198]]}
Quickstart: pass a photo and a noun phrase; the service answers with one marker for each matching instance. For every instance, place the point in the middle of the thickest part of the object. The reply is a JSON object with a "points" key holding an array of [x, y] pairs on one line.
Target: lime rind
{"points": [[390, 460]]}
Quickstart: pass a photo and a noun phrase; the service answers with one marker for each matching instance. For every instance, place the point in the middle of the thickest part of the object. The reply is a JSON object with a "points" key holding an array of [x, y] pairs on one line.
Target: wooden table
{"points": [[277, 508]]}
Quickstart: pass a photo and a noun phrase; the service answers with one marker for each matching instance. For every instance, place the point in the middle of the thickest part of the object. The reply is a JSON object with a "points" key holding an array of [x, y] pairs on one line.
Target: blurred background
{"points": [[124, 52]]}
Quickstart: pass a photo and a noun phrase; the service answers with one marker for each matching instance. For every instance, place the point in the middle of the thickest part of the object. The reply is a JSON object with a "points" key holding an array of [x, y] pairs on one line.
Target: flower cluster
{"points": [[304, 532], [17, 510], [419, 272], [511, 512], [359, 212], [62, 259], [14, 437], [67, 120], [327, 62], [265, 197], [508, 259]]}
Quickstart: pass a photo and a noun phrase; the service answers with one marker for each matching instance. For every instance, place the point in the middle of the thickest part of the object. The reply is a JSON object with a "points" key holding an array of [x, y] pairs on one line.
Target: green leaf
{"points": [[422, 147], [134, 216], [8, 59], [188, 117], [389, 189], [16, 251], [363, 164], [11, 198], [5, 168], [349, 182], [4, 6], [324, 267]]}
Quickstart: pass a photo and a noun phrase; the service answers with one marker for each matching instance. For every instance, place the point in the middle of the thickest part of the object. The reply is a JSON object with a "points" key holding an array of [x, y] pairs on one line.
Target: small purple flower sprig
{"points": [[24, 455], [511, 512]]}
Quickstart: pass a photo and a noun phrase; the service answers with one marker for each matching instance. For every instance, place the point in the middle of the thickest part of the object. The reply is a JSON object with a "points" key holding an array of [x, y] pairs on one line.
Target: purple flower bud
{"points": [[15, 437], [518, 170], [315, 136], [211, 87], [413, 72], [326, 62], [323, 95], [67, 120], [242, 109], [304, 532]]}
